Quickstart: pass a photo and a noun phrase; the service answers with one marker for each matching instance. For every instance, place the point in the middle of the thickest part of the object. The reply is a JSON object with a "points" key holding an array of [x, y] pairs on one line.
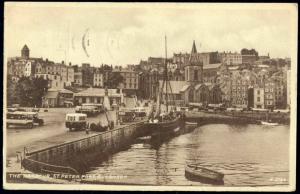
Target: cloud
{"points": [[122, 34]]}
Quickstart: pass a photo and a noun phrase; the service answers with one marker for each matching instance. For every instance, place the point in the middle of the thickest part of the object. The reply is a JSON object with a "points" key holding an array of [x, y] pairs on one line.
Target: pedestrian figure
{"points": [[87, 128]]}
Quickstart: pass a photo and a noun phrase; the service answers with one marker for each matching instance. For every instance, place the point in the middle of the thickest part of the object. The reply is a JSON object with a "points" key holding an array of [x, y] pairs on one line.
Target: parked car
{"points": [[26, 119], [76, 121]]}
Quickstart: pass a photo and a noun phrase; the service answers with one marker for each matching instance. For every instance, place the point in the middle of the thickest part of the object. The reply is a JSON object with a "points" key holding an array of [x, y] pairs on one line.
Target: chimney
{"points": [[70, 64], [62, 62]]}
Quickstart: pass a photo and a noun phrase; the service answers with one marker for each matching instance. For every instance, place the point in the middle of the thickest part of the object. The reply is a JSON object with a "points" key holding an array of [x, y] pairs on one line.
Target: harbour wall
{"points": [[237, 117], [78, 156], [74, 157]]}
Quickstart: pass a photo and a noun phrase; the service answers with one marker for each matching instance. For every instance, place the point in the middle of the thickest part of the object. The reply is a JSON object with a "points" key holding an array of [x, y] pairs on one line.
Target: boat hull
{"points": [[206, 176], [267, 123], [162, 127]]}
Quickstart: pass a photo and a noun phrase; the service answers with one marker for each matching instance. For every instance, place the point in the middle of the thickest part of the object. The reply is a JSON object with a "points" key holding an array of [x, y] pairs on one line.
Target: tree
{"points": [[40, 86], [11, 95], [29, 92], [245, 51], [114, 80]]}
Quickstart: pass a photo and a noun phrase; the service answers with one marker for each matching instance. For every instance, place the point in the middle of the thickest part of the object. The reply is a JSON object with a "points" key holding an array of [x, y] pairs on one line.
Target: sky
{"points": [[125, 33]]}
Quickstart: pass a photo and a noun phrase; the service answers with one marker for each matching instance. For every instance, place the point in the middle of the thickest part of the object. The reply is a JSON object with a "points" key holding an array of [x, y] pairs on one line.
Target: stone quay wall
{"points": [[68, 156]]}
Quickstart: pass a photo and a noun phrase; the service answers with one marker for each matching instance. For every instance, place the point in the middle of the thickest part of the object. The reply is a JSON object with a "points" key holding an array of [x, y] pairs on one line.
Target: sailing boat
{"points": [[164, 122]]}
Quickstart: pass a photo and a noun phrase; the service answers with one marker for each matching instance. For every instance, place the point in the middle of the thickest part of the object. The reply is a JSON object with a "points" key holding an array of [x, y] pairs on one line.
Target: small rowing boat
{"points": [[195, 172], [268, 123], [191, 123]]}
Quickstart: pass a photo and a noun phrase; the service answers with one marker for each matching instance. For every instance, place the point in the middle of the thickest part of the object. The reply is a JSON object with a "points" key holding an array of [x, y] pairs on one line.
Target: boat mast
{"points": [[166, 73]]}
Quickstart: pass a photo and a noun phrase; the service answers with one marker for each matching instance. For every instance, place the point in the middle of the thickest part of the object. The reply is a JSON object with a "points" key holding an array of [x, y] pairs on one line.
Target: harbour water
{"points": [[248, 155]]}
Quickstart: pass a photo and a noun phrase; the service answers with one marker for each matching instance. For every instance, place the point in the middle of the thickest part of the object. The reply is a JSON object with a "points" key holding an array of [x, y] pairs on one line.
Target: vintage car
{"points": [[89, 109], [26, 119], [76, 121]]}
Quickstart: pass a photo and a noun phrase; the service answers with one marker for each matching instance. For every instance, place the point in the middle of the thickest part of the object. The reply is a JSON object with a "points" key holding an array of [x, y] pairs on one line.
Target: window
{"points": [[258, 99], [258, 92], [195, 75]]}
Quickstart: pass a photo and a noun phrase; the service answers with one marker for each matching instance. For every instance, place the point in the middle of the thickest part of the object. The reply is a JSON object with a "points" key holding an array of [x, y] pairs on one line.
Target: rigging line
{"points": [[166, 73], [172, 96]]}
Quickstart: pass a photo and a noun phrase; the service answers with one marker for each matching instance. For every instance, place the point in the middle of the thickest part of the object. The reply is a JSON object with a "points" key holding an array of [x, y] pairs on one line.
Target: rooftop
{"points": [[51, 94], [212, 66], [97, 92]]}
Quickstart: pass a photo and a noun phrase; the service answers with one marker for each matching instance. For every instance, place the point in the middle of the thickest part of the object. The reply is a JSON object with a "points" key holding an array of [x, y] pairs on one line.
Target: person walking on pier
{"points": [[87, 129]]}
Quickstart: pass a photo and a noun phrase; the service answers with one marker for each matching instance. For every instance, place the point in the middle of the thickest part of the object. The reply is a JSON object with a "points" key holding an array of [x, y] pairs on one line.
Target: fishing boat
{"points": [[164, 122], [201, 174]]}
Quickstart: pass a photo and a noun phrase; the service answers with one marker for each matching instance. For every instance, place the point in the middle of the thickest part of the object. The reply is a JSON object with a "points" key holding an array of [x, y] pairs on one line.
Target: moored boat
{"points": [[201, 174], [165, 126], [191, 123], [164, 122], [268, 123]]}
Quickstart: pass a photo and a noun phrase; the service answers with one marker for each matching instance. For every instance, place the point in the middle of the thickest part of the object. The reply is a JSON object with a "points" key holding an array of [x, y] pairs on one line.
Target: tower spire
{"points": [[194, 49]]}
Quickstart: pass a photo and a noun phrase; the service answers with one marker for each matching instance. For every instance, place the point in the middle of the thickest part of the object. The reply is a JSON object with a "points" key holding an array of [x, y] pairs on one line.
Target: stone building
{"points": [[242, 89], [77, 76], [269, 92], [98, 78], [210, 72], [25, 52], [230, 58], [202, 94], [149, 83], [194, 68], [87, 75], [259, 97], [58, 98], [96, 95], [249, 59], [130, 83]]}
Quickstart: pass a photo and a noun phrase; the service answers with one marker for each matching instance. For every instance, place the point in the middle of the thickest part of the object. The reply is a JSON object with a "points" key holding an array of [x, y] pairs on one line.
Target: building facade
{"points": [[229, 58], [96, 95], [249, 59], [98, 79], [242, 89], [259, 100]]}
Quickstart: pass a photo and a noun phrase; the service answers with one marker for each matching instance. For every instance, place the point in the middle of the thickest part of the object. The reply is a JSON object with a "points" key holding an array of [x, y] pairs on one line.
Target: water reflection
{"points": [[248, 155]]}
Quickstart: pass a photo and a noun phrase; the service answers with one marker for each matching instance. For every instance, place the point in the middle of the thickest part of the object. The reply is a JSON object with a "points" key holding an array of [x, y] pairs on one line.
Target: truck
{"points": [[76, 121], [89, 109]]}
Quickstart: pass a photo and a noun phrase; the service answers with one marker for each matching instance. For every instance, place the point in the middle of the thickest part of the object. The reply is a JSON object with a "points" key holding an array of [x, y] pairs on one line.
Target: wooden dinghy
{"points": [[268, 123], [201, 174]]}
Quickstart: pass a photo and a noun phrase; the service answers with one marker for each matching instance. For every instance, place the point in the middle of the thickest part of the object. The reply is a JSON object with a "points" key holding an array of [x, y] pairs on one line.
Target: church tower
{"points": [[25, 52], [194, 67]]}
